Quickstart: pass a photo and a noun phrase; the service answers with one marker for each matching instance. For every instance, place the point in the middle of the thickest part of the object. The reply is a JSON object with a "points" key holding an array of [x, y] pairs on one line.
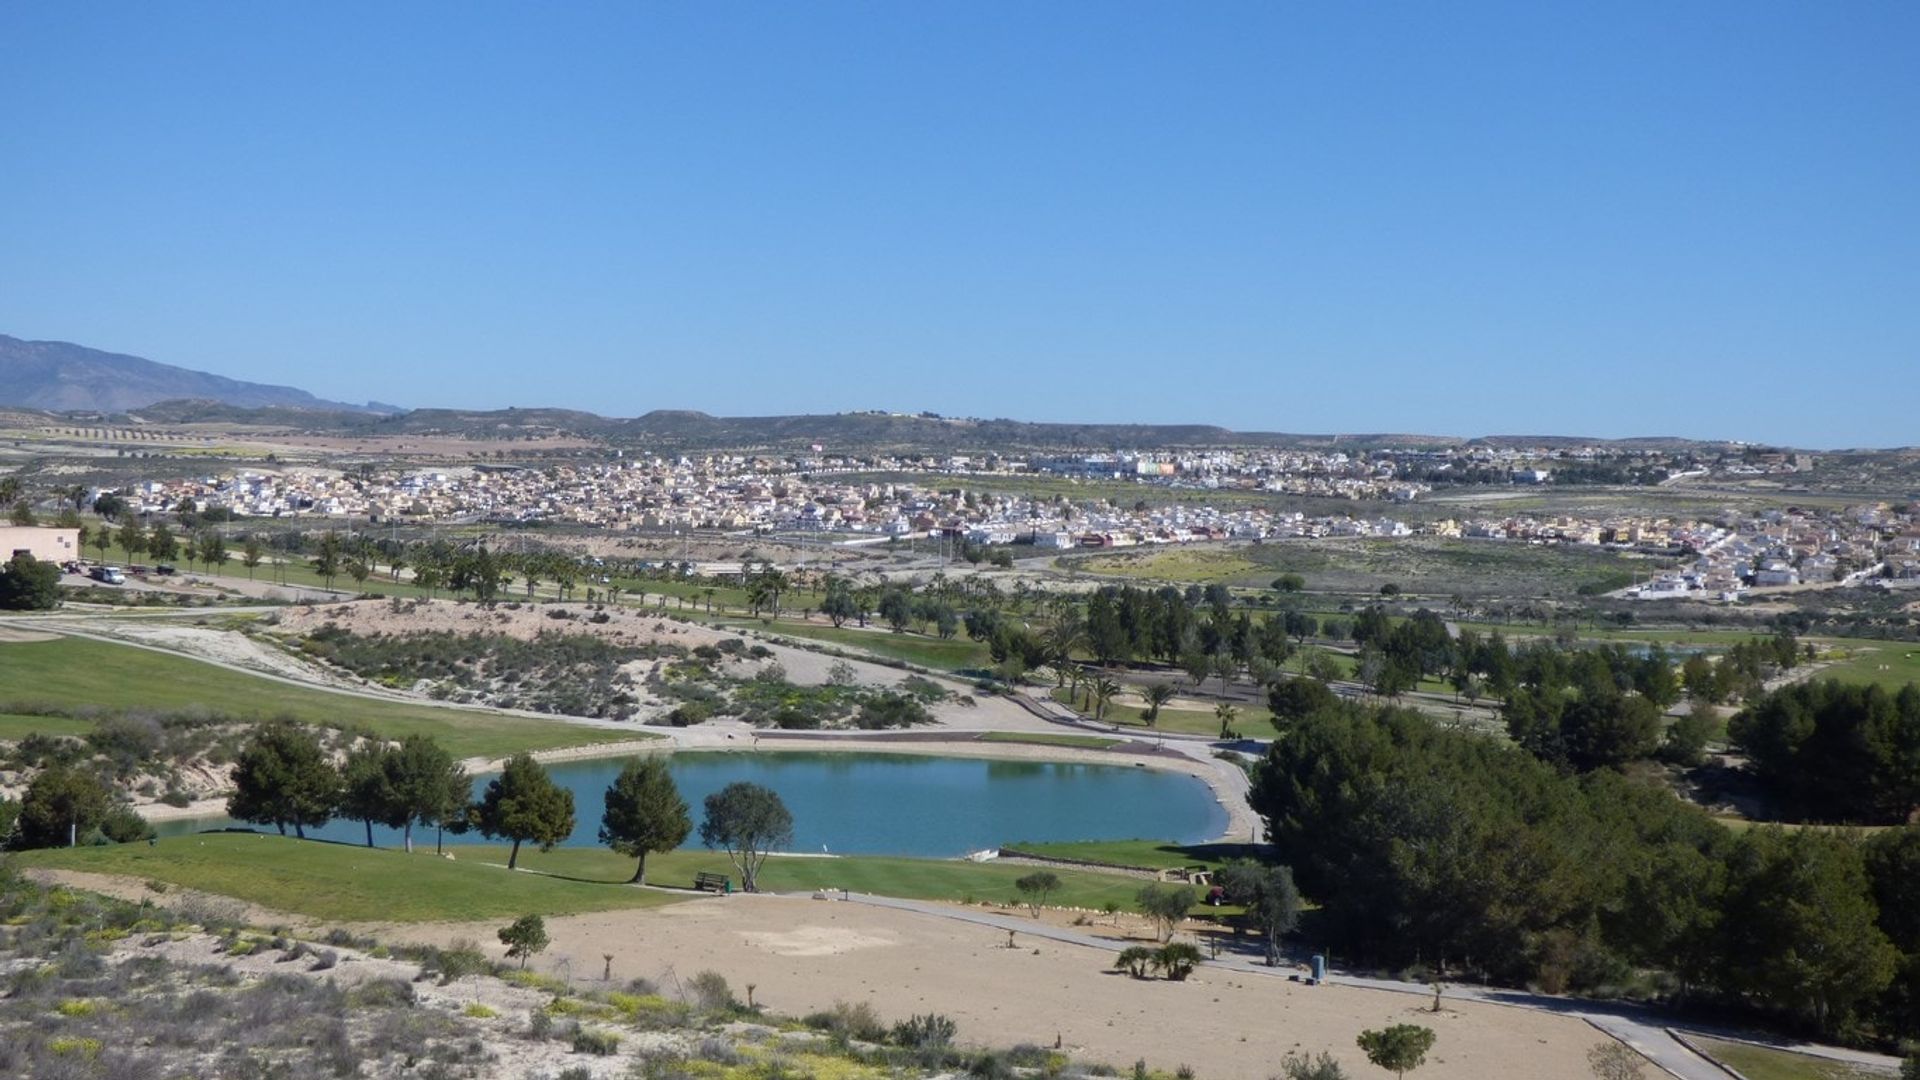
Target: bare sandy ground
{"points": [[801, 955], [624, 625]]}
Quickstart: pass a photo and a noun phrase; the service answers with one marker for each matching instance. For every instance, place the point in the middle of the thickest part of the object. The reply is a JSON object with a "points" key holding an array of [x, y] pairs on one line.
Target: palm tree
{"points": [[1157, 695], [1226, 712], [1059, 642], [1104, 690]]}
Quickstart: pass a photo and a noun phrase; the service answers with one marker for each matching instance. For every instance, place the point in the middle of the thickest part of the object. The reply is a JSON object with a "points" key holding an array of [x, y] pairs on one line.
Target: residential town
{"points": [[844, 500]]}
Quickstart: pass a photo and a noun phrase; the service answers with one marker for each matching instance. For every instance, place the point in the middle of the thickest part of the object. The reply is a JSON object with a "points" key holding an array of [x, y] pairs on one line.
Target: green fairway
{"points": [[1764, 1063], [1891, 664], [349, 883], [1184, 721], [15, 726], [346, 883], [1094, 742], [951, 654], [75, 672], [1153, 854], [919, 879]]}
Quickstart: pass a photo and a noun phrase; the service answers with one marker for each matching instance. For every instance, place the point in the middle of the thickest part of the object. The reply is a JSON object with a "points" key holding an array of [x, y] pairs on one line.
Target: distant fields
{"points": [[77, 672], [1418, 565]]}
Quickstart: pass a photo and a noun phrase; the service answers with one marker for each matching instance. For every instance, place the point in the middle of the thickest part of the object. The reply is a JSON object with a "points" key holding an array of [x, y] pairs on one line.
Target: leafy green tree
{"points": [[1398, 1049], [1801, 929], [29, 584], [524, 805], [62, 805], [20, 513], [838, 603], [251, 554], [524, 937], [1036, 887], [1289, 583], [644, 813], [161, 543], [747, 821], [1271, 900], [326, 558], [283, 777], [896, 607], [212, 548], [132, 537], [426, 782], [1291, 700], [367, 792], [1166, 905]]}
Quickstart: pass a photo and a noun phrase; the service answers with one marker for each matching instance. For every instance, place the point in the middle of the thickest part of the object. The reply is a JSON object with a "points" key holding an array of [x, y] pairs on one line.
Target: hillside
{"points": [[63, 377]]}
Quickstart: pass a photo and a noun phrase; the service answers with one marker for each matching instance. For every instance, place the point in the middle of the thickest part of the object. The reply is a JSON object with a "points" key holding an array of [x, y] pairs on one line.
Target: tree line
{"points": [[1458, 853], [285, 777]]}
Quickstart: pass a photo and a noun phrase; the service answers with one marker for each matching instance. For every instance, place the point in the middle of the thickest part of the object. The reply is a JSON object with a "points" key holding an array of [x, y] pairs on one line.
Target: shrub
{"points": [[709, 991], [1135, 960], [477, 1011], [929, 1032], [597, 1041], [1298, 1066], [849, 1021], [1177, 960]]}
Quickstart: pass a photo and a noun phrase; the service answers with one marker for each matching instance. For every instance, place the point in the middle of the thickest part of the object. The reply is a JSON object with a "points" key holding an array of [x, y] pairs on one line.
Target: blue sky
{"points": [[1607, 219]]}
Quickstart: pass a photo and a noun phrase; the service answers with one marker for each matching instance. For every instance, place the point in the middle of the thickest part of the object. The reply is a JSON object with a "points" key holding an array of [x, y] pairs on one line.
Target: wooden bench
{"points": [[714, 882]]}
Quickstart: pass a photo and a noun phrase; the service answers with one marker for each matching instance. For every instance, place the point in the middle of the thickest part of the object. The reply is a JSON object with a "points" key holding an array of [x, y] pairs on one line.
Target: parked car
{"points": [[164, 569], [109, 574]]}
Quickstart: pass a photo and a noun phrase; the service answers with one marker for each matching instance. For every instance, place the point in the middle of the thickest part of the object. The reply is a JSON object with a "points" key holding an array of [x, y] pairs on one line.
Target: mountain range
{"points": [[56, 376], [59, 376]]}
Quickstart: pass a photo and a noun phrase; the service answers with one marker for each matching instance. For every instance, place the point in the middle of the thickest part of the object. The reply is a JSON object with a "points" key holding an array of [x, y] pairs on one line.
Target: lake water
{"points": [[893, 804]]}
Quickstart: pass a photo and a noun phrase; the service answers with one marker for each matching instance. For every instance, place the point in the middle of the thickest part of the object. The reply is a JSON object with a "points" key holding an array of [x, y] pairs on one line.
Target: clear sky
{"points": [[1686, 218]]}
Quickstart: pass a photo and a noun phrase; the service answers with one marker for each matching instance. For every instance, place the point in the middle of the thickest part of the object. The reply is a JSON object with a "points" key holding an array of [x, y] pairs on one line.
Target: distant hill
{"points": [[62, 377]]}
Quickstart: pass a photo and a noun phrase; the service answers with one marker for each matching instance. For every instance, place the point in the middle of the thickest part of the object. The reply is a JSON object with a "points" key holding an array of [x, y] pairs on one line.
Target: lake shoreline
{"points": [[1239, 821]]}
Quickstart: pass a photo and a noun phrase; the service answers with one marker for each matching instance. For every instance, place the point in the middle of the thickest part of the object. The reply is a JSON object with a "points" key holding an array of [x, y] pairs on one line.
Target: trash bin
{"points": [[1319, 968]]}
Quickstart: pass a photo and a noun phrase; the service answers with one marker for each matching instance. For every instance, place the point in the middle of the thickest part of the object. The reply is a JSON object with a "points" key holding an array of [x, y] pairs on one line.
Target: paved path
{"points": [[1644, 1029]]}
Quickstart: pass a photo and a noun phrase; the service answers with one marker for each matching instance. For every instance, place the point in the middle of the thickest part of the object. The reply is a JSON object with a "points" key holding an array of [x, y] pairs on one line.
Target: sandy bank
{"points": [[803, 955]]}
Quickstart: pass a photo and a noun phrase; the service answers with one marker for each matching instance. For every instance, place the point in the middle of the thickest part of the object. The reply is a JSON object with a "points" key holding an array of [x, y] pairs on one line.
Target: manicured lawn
{"points": [[1185, 721], [1891, 664], [71, 672], [920, 879], [1096, 742], [1762, 1063], [14, 726], [1155, 854], [952, 654], [349, 883], [345, 883]]}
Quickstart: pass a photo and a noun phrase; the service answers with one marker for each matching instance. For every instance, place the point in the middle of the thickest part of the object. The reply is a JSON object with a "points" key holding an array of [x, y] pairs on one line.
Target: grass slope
{"points": [[349, 883], [1763, 1063], [77, 672], [345, 883], [953, 654]]}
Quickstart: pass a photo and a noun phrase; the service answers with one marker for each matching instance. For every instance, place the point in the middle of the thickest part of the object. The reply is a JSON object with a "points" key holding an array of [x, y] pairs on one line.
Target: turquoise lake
{"points": [[894, 804]]}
